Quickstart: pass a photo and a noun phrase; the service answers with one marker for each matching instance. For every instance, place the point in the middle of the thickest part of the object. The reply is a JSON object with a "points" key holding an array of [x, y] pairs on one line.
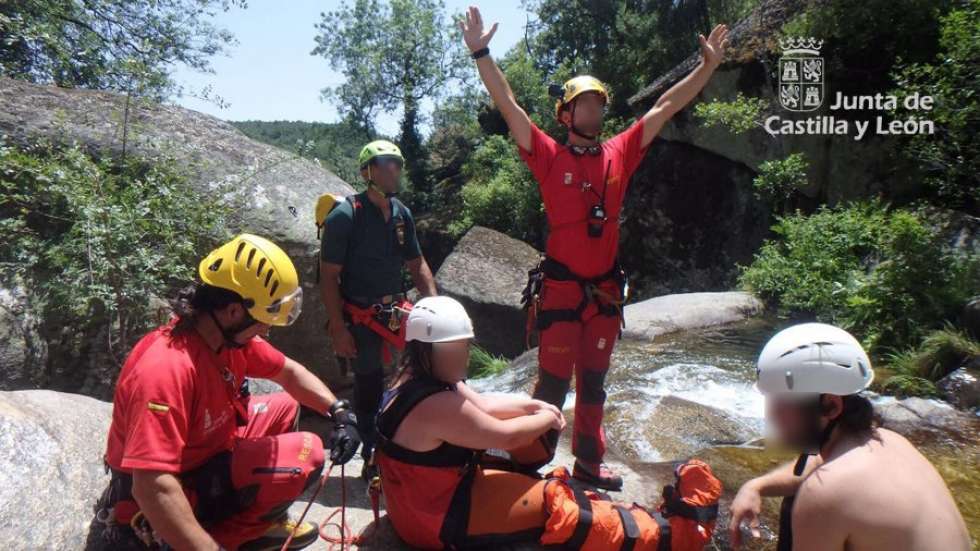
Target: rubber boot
{"points": [[599, 476]]}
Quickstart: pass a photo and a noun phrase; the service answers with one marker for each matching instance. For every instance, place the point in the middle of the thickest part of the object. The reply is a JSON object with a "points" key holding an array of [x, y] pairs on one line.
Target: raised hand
{"points": [[472, 27], [713, 47]]}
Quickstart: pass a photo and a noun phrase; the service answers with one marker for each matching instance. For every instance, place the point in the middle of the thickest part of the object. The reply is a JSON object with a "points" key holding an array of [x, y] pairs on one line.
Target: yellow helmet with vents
{"points": [[259, 271], [577, 86]]}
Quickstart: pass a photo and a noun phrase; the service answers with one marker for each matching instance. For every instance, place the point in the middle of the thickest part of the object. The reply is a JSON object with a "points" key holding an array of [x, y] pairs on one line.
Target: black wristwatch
{"points": [[480, 53]]}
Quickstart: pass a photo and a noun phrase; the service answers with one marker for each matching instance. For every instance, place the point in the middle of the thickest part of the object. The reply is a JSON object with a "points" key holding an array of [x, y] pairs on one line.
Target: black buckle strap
{"points": [[631, 531], [675, 505], [554, 270], [664, 543], [584, 520]]}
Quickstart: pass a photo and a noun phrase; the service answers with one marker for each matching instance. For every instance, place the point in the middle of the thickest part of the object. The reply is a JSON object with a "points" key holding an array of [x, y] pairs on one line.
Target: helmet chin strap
{"points": [[371, 184], [229, 333], [575, 129], [816, 439]]}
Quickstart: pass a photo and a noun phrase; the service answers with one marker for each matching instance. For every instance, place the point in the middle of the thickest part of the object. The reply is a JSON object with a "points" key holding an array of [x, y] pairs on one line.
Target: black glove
{"points": [[345, 440]]}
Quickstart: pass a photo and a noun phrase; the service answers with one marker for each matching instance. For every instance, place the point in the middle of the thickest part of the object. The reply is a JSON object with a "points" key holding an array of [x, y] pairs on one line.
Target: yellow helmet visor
{"points": [[284, 310]]}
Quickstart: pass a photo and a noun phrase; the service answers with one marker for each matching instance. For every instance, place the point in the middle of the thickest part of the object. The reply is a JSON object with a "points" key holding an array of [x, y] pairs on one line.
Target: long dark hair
{"points": [[415, 362], [197, 299]]}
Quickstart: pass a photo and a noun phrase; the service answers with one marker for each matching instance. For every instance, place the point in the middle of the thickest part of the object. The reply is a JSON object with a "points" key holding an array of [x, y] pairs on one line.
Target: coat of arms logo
{"points": [[801, 74]]}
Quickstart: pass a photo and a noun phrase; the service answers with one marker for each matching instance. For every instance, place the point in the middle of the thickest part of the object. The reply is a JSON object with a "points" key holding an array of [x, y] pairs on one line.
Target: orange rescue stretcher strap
{"points": [[393, 333]]}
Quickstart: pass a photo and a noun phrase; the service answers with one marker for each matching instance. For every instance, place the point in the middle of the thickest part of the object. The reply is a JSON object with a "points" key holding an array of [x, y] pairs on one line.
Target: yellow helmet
{"points": [[577, 86], [259, 271]]}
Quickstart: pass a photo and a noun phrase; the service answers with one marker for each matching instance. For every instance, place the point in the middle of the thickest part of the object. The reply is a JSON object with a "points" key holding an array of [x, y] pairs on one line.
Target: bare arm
{"points": [[305, 387], [330, 290], [680, 94], [503, 97], [450, 417], [340, 337], [747, 505], [422, 276], [781, 482], [504, 406], [161, 498]]}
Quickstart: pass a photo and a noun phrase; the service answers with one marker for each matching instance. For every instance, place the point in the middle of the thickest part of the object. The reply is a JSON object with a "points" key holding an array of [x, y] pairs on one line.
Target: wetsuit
{"points": [[178, 409], [446, 498], [578, 316], [373, 252]]}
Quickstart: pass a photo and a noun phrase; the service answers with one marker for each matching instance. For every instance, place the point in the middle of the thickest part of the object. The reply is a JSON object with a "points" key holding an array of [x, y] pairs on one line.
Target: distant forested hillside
{"points": [[334, 144]]}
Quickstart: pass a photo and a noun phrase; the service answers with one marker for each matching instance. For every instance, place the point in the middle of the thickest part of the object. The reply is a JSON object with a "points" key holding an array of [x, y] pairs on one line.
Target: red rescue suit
{"points": [[583, 194], [447, 499]]}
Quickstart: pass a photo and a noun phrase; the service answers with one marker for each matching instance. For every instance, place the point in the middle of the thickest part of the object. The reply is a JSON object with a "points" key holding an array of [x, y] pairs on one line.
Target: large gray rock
{"points": [[23, 351], [920, 417], [487, 272], [279, 188], [51, 473], [962, 387], [667, 314]]}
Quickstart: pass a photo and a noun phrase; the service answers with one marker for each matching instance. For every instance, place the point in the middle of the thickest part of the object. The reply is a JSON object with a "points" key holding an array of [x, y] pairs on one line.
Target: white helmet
{"points": [[813, 358], [438, 319]]}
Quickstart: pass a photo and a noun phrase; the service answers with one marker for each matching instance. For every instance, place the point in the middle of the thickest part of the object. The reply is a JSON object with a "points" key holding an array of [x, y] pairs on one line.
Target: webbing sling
{"points": [[664, 543], [584, 520], [631, 531]]}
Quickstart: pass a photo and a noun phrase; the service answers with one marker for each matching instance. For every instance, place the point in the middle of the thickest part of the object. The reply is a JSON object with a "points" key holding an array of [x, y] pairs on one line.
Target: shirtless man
{"points": [[866, 488]]}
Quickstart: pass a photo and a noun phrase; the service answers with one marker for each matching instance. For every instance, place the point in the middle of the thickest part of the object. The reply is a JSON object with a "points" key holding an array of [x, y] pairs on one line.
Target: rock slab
{"points": [[279, 188], [487, 272], [657, 316]]}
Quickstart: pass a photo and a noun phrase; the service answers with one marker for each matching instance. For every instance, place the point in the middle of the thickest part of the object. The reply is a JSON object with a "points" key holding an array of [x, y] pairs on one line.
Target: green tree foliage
{"points": [[739, 116], [882, 273], [109, 44], [862, 46], [949, 159], [98, 240], [336, 145], [393, 54], [500, 193], [625, 43], [780, 179]]}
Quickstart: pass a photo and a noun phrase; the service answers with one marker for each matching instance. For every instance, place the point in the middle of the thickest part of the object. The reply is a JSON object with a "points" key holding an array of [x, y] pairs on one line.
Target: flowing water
{"points": [[692, 393]]}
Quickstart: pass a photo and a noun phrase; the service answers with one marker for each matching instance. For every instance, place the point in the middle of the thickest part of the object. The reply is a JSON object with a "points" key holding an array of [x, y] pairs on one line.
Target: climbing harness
{"points": [[540, 319]]}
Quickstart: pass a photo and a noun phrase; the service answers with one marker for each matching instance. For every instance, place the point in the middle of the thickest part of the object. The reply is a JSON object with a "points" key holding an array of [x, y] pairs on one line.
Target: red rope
{"points": [[346, 538]]}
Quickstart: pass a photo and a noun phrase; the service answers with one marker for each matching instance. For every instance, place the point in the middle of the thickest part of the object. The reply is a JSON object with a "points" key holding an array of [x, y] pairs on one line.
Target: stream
{"points": [[692, 393]]}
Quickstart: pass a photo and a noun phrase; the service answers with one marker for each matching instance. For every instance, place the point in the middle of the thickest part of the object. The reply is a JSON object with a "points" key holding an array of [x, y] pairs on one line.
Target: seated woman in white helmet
{"points": [[433, 428], [865, 488]]}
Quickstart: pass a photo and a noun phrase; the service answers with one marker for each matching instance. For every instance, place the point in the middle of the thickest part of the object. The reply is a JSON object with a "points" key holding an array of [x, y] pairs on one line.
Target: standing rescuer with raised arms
{"points": [[583, 184], [196, 462], [367, 240], [854, 486]]}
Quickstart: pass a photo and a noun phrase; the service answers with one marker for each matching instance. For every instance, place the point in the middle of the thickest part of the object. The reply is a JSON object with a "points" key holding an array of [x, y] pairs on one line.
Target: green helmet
{"points": [[376, 149]]}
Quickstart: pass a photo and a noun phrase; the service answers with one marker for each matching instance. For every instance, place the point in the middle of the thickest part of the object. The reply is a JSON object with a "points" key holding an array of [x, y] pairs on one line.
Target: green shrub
{"points": [[98, 239], [881, 273], [779, 179], [500, 192], [740, 115], [484, 364]]}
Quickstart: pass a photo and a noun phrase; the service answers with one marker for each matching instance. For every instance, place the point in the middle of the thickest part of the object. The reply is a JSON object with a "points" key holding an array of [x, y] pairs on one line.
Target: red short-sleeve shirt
{"points": [[176, 401], [571, 185]]}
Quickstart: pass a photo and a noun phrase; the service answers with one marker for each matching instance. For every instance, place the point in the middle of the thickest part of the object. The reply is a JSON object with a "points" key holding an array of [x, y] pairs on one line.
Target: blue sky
{"points": [[270, 74]]}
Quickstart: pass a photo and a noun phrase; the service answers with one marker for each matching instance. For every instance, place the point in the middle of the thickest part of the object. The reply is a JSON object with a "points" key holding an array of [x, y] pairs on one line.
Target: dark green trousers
{"points": [[368, 383]]}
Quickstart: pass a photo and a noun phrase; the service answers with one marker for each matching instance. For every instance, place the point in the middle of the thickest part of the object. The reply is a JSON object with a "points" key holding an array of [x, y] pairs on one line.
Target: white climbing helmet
{"points": [[438, 319], [813, 358]]}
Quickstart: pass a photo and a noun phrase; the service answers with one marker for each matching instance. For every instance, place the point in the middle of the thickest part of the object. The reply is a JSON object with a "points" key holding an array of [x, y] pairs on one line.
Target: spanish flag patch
{"points": [[156, 406]]}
